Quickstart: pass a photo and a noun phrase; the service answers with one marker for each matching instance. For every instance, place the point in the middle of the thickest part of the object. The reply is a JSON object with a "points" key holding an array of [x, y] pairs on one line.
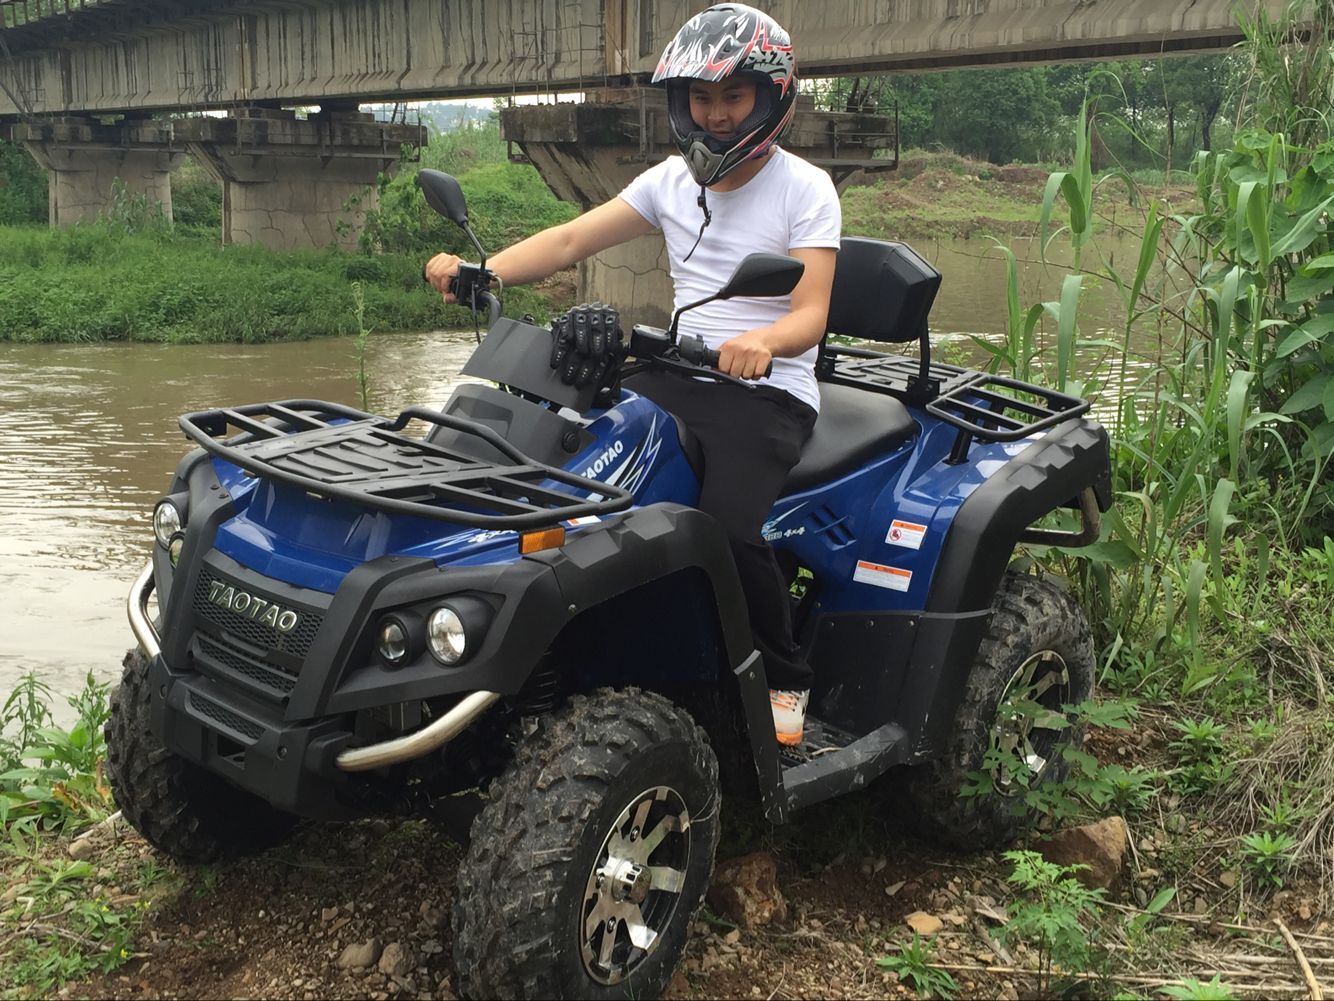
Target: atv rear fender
{"points": [[1055, 471]]}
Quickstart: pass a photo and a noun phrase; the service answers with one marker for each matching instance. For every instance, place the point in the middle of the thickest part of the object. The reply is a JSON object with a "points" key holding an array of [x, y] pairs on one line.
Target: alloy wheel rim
{"points": [[635, 884], [1029, 721]]}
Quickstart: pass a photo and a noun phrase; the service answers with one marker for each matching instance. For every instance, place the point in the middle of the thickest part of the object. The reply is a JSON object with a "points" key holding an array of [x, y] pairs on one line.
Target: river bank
{"points": [[141, 281]]}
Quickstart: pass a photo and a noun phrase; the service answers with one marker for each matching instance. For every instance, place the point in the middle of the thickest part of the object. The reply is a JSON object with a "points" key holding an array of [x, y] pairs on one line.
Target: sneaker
{"points": [[789, 715]]}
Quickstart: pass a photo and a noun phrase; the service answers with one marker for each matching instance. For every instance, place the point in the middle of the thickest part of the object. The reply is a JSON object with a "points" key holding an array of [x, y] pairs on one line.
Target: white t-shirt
{"points": [[788, 205]]}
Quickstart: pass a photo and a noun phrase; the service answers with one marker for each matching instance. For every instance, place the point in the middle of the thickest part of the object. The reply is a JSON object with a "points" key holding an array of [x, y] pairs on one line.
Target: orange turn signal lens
{"points": [[542, 538]]}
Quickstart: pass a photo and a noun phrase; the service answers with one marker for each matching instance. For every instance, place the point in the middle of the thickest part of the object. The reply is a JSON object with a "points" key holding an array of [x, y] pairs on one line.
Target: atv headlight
{"points": [[175, 547], [167, 521], [393, 642], [446, 636]]}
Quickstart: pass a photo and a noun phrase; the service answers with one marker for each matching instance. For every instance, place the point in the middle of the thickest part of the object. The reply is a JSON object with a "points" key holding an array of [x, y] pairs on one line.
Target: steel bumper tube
{"points": [[414, 745], [141, 623]]}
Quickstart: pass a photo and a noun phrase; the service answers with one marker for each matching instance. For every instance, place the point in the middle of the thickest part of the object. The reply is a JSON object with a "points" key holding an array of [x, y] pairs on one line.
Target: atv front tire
{"points": [[587, 866], [1037, 653], [179, 808]]}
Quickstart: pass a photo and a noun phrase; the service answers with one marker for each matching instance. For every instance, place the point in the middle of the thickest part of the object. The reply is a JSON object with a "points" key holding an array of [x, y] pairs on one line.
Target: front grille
{"points": [[295, 643], [225, 717], [270, 680]]}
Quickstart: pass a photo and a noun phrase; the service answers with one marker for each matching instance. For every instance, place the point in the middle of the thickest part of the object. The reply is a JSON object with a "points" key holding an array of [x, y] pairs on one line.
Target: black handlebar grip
{"points": [[694, 350]]}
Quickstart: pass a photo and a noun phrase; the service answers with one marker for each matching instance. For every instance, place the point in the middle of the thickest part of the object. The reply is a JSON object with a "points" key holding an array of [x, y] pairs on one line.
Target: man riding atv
{"points": [[731, 80]]}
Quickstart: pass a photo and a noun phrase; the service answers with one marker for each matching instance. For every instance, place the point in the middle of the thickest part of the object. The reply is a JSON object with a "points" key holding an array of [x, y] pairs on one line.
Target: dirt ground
{"points": [[277, 926]]}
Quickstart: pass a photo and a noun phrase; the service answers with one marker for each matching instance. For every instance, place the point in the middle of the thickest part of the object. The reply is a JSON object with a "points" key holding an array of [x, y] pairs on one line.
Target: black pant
{"points": [[751, 438]]}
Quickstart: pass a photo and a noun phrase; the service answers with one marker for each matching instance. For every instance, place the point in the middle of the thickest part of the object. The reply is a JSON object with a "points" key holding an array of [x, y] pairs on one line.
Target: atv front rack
{"points": [[982, 406], [337, 452]]}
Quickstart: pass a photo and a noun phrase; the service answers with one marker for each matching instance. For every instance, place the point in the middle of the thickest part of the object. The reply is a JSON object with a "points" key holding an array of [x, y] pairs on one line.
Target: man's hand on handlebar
{"points": [[746, 356], [585, 342], [440, 271]]}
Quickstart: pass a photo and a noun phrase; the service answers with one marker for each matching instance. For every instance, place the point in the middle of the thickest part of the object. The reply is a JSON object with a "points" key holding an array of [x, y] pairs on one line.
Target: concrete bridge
{"points": [[65, 65], [80, 56]]}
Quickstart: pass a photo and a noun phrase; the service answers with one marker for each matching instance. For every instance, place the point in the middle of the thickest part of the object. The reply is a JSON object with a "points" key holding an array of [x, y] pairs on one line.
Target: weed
{"points": [[1056, 919], [1089, 787], [363, 336], [1200, 755], [1267, 857], [1194, 990], [913, 967], [55, 777]]}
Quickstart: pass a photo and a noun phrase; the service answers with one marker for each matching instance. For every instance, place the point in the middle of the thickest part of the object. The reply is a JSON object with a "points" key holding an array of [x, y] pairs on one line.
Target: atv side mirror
{"points": [[761, 275], [444, 195]]}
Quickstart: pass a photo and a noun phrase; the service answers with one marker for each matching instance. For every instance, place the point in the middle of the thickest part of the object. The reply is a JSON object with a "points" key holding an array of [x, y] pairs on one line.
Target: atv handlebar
{"points": [[694, 350]]}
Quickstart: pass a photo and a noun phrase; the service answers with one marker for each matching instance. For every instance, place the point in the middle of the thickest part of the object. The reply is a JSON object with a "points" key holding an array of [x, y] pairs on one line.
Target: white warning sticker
{"points": [[905, 534], [588, 519], [882, 576]]}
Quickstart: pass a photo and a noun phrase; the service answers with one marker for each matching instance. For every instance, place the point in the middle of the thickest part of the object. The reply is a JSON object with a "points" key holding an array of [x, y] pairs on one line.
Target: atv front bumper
{"points": [[294, 767]]}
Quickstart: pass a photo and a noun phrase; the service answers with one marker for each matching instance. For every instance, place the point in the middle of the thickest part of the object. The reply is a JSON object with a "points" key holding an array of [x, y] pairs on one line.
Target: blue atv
{"points": [[516, 622]]}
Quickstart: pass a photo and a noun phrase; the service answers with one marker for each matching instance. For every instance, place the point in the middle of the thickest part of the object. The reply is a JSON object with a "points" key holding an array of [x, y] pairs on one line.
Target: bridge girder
{"points": [[153, 55]]}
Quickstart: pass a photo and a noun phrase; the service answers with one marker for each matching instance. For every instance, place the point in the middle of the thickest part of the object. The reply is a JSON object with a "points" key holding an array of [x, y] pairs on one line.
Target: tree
{"points": [[999, 115], [1200, 84], [22, 187]]}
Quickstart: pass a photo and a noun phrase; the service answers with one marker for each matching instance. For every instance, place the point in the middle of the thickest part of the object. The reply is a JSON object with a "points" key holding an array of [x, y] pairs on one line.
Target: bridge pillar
{"points": [[85, 159], [289, 183], [586, 153]]}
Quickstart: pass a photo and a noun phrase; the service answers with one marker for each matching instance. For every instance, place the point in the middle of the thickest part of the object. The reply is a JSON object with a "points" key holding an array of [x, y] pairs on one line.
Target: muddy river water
{"points": [[88, 440]]}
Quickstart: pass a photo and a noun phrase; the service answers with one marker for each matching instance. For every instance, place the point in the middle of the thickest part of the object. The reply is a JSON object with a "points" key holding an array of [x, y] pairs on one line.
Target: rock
{"points": [[396, 961], [894, 888], [360, 955], [923, 924], [680, 986], [1228, 879], [745, 890], [1007, 992], [733, 936], [433, 919], [1101, 846], [328, 913]]}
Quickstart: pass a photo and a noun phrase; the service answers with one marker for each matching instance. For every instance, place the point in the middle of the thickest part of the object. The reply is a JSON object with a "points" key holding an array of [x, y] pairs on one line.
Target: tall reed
{"points": [[1232, 424]]}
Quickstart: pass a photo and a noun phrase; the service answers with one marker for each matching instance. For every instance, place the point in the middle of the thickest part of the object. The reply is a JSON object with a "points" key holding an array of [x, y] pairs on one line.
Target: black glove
{"points": [[586, 340]]}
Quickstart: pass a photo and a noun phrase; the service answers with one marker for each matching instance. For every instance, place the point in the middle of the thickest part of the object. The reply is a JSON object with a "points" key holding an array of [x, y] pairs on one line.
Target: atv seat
{"points": [[854, 427], [882, 292]]}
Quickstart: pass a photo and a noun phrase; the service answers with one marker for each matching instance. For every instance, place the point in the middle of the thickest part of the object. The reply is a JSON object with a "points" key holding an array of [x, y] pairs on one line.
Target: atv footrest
{"points": [[844, 764], [818, 739]]}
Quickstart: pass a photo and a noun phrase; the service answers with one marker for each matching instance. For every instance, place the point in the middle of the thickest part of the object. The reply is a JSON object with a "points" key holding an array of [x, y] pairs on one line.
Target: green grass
{"points": [[100, 283]]}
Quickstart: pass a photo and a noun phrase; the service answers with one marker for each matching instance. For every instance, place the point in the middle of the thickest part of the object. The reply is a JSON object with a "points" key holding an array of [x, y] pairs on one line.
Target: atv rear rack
{"points": [[982, 406], [337, 452]]}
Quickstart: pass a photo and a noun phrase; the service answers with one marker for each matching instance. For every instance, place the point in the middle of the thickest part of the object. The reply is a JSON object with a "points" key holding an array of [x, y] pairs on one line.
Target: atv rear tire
{"points": [[557, 886], [179, 808], [1038, 648]]}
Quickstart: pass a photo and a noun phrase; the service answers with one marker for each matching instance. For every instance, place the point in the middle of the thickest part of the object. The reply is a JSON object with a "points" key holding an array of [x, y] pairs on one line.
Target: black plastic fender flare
{"points": [[648, 544], [538, 595], [1048, 474]]}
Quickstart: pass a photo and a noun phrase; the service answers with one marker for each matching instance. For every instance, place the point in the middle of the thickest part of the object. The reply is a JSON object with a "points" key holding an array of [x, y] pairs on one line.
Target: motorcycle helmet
{"points": [[725, 40]]}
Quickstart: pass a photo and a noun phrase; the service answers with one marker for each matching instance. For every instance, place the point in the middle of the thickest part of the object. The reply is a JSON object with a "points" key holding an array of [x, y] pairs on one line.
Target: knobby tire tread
{"points": [[505, 913], [178, 807]]}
